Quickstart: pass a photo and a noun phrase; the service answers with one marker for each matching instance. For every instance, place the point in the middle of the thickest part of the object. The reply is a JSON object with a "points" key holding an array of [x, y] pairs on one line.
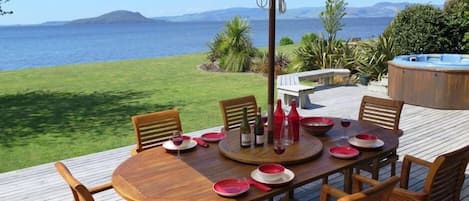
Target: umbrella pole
{"points": [[271, 76]]}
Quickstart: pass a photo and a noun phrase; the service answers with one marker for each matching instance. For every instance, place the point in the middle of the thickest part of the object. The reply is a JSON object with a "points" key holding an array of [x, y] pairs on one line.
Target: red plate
{"points": [[344, 152], [231, 187], [213, 136]]}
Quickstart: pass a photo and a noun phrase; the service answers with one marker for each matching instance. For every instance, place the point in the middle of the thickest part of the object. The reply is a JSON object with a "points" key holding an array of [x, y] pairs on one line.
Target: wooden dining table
{"points": [[157, 174]]}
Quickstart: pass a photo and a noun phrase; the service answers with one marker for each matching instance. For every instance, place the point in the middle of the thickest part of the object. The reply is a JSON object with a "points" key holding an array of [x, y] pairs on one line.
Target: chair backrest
{"points": [[80, 192], [382, 112], [232, 111], [446, 176], [153, 129], [380, 192]]}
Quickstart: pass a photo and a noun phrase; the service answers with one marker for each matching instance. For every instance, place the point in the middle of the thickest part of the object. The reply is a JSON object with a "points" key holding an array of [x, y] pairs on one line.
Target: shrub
{"points": [[3, 12], [457, 18], [309, 38], [233, 47], [331, 17], [260, 63], [286, 41], [317, 52], [321, 54], [419, 29], [370, 57]]}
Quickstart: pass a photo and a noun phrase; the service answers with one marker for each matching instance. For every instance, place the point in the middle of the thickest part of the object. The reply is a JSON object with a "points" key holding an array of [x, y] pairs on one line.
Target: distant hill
{"points": [[120, 16], [382, 9]]}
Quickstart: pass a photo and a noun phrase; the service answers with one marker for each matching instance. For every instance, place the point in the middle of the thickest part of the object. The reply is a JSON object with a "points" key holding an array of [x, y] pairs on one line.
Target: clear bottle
{"points": [[245, 130], [259, 129], [279, 117], [287, 134], [294, 121]]}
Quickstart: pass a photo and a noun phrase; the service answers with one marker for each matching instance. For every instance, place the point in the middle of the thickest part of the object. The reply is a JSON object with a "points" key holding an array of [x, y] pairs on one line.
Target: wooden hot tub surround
{"points": [[434, 87]]}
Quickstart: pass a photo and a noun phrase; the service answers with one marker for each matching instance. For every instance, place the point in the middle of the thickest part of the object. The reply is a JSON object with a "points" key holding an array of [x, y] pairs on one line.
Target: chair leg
{"points": [[393, 168], [375, 170]]}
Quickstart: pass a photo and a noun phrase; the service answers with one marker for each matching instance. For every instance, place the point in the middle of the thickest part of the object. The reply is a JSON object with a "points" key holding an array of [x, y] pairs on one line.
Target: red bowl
{"points": [[366, 139], [271, 171], [316, 125], [366, 136]]}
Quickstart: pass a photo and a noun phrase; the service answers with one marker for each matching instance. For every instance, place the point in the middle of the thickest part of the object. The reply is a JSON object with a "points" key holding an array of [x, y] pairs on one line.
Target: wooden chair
{"points": [[385, 113], [80, 192], [444, 180], [232, 111], [153, 129], [380, 191]]}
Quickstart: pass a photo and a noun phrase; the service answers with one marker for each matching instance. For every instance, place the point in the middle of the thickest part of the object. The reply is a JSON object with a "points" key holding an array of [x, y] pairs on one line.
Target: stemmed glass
{"points": [[345, 123], [177, 140], [279, 146]]}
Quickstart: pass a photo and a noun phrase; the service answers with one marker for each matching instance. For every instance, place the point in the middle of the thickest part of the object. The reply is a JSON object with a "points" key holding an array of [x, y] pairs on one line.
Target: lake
{"points": [[41, 46]]}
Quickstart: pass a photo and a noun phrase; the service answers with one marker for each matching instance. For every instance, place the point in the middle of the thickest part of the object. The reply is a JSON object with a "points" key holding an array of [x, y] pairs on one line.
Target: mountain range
{"points": [[382, 9]]}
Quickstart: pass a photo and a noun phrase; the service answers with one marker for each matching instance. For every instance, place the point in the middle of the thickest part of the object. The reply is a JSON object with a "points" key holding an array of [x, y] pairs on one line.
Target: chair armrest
{"points": [[406, 165], [327, 190], [399, 194], [100, 188], [358, 181]]}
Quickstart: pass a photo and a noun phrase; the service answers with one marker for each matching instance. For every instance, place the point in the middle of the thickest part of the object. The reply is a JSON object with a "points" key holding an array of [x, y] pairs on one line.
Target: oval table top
{"points": [[156, 174]]}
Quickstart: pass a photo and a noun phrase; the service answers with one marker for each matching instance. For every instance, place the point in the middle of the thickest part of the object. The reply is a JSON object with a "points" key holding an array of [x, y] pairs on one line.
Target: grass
{"points": [[54, 113]]}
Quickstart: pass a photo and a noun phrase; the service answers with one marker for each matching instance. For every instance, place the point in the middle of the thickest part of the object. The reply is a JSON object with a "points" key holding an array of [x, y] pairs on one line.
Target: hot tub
{"points": [[430, 80]]}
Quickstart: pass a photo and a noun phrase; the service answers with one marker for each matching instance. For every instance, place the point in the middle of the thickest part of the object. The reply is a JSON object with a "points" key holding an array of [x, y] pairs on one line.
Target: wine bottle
{"points": [[279, 117], [245, 130], [294, 121], [258, 129]]}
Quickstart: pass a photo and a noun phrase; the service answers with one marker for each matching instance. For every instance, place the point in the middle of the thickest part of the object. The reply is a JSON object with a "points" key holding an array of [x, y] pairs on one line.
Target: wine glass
{"points": [[279, 147], [345, 123], [177, 140]]}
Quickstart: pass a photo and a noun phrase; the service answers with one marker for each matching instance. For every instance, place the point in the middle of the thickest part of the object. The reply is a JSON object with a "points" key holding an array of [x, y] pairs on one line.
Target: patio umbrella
{"points": [[270, 81]]}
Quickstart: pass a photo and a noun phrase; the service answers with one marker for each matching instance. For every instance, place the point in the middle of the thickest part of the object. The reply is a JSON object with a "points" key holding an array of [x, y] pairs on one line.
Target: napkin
{"points": [[259, 185], [200, 142]]}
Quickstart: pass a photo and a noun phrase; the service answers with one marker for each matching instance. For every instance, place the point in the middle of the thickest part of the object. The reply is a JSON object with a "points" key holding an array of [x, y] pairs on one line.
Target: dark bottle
{"points": [[294, 121], [245, 130], [279, 117], [259, 129]]}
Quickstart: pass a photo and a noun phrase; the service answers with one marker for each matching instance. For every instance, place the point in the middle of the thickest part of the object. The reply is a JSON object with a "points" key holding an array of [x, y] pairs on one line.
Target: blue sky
{"points": [[38, 11]]}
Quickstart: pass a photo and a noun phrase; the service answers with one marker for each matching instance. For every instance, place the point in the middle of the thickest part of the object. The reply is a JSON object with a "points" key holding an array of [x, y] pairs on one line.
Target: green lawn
{"points": [[54, 113]]}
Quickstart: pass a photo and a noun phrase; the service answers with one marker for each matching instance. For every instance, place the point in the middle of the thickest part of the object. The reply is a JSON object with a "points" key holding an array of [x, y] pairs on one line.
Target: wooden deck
{"points": [[427, 134]]}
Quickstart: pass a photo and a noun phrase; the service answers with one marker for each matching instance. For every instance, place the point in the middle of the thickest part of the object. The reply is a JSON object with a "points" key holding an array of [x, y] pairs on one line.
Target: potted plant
{"points": [[364, 78]]}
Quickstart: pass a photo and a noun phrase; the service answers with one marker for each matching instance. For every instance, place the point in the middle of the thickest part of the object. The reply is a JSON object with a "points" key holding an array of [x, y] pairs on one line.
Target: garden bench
{"points": [[289, 86]]}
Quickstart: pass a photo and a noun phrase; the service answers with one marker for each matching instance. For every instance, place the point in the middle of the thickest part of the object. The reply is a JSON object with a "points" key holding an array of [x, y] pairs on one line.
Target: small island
{"points": [[120, 16]]}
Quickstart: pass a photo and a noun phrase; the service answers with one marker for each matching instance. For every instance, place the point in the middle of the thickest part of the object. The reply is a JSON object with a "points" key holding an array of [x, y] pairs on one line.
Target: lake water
{"points": [[40, 46]]}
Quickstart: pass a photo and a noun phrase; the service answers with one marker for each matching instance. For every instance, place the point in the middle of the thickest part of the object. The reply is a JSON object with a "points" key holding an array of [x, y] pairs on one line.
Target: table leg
{"points": [[348, 180]]}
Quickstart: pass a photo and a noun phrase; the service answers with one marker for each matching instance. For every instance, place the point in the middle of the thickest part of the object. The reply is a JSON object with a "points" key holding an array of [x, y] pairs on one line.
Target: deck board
{"points": [[427, 134]]}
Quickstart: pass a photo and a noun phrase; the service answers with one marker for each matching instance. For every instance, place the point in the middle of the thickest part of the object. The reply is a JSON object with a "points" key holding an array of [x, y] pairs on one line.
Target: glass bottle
{"points": [[245, 130], [287, 134], [294, 121], [279, 117], [258, 129]]}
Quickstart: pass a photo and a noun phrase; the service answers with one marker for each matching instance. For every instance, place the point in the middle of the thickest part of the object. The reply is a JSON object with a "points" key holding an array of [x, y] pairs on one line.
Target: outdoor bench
{"points": [[289, 86]]}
